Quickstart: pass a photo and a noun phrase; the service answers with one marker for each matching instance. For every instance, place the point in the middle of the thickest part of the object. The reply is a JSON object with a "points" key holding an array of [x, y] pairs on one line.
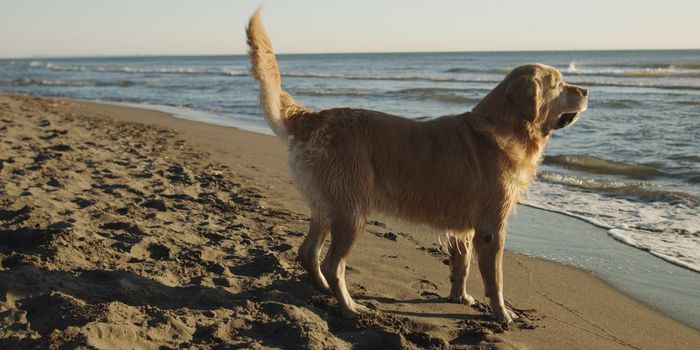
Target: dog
{"points": [[462, 174]]}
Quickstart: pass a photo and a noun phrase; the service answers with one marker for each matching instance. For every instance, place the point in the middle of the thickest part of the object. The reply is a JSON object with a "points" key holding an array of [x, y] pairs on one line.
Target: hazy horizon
{"points": [[83, 28], [326, 53]]}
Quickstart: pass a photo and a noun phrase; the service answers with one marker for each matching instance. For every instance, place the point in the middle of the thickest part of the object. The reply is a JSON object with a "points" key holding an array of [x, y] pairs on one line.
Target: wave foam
{"points": [[636, 71], [67, 83], [151, 70], [668, 231], [638, 191], [502, 70], [388, 77], [444, 95], [332, 92], [597, 165]]}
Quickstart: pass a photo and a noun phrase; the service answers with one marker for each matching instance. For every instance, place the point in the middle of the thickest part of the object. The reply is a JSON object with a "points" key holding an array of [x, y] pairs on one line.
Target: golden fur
{"points": [[459, 173]]}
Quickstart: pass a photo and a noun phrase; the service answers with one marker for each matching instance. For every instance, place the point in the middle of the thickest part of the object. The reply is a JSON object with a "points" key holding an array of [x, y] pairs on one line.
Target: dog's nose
{"points": [[584, 92]]}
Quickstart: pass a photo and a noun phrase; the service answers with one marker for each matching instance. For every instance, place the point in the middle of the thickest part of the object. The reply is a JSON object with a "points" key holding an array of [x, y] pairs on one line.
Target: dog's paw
{"points": [[502, 315], [323, 289], [462, 298], [321, 285], [354, 311]]}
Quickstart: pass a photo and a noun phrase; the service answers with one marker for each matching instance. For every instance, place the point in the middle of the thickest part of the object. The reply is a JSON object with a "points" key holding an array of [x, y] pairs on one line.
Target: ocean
{"points": [[631, 164]]}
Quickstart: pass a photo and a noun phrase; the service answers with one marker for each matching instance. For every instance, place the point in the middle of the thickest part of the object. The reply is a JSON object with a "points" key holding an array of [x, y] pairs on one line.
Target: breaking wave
{"points": [[642, 191], [388, 77], [67, 83], [637, 71], [597, 165], [444, 95], [151, 70]]}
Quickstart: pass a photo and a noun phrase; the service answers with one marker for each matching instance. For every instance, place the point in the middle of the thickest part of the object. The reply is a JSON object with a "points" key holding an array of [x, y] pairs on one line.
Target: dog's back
{"points": [[429, 172]]}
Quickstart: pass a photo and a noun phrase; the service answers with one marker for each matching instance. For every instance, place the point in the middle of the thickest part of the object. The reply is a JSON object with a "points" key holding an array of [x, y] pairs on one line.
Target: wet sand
{"points": [[128, 228]]}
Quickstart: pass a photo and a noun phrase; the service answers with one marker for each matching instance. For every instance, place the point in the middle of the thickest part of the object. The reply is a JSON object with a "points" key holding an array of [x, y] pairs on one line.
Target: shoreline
{"points": [[618, 238], [260, 162], [655, 282]]}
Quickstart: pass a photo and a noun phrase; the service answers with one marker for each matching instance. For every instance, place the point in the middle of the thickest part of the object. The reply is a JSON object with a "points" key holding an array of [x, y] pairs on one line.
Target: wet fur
{"points": [[460, 173]]}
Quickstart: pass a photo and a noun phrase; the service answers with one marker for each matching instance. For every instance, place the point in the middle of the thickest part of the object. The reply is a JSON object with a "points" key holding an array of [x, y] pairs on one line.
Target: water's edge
{"points": [[611, 232], [550, 235]]}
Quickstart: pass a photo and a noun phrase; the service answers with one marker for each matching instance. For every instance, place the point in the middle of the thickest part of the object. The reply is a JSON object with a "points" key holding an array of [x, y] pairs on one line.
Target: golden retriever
{"points": [[459, 173]]}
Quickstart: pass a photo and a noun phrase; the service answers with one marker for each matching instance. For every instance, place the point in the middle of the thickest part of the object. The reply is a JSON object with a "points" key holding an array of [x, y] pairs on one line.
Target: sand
{"points": [[128, 228]]}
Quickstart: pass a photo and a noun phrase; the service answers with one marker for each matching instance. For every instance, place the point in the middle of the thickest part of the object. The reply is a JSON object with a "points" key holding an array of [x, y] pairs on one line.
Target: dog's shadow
{"points": [[436, 301]]}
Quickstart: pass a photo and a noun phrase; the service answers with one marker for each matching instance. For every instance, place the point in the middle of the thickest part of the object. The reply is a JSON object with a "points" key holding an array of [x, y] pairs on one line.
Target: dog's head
{"points": [[539, 94]]}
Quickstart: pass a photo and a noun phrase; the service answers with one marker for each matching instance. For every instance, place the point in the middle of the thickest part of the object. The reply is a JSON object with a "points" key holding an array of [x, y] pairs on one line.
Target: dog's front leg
{"points": [[459, 248], [489, 244]]}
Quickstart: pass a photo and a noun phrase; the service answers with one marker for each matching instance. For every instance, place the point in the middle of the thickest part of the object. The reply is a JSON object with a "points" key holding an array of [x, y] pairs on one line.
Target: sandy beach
{"points": [[127, 228]]}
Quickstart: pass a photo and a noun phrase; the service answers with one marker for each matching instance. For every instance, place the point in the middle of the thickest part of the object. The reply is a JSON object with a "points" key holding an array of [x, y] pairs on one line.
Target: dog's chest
{"points": [[523, 174]]}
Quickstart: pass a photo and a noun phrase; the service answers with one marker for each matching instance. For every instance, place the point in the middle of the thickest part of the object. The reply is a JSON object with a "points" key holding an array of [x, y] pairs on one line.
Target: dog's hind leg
{"points": [[310, 250], [344, 232], [489, 246], [460, 257]]}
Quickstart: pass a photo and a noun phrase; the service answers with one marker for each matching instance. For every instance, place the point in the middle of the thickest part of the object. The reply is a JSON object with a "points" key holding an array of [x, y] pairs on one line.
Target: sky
{"points": [[41, 28]]}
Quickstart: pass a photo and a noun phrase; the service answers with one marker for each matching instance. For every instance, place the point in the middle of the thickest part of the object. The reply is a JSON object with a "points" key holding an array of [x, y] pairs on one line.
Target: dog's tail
{"points": [[277, 105]]}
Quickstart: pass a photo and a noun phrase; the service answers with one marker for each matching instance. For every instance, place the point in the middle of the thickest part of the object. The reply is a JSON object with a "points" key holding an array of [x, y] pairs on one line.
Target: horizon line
{"points": [[147, 55]]}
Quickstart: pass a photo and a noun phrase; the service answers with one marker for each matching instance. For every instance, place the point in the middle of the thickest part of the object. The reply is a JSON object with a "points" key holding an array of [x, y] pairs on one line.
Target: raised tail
{"points": [[277, 105]]}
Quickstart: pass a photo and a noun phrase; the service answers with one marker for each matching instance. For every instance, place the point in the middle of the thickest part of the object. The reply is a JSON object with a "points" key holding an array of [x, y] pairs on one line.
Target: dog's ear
{"points": [[525, 93]]}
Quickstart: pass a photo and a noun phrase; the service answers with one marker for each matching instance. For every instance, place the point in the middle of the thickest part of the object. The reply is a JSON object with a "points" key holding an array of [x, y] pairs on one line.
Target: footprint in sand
{"points": [[158, 251], [156, 204], [424, 284], [15, 215], [426, 288], [59, 148], [263, 262], [43, 123], [83, 203], [41, 310], [53, 182], [25, 239], [51, 134], [150, 250], [125, 226]]}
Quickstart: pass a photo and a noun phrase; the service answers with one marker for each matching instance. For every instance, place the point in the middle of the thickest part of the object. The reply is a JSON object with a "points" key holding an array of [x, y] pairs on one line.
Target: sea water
{"points": [[631, 164]]}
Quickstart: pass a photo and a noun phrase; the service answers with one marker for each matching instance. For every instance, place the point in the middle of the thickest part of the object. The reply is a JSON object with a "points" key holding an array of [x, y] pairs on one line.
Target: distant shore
{"points": [[173, 207]]}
